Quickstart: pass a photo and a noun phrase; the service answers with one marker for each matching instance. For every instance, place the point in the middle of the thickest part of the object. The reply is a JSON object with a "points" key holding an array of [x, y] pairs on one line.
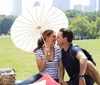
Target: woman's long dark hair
{"points": [[44, 35]]}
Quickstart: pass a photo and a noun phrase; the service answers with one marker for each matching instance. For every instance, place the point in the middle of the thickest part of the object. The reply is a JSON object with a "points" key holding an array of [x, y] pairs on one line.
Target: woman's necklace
{"points": [[50, 57]]}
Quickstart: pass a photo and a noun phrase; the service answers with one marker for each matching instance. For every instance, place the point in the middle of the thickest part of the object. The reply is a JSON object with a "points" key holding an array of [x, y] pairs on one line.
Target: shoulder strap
{"points": [[70, 52], [84, 51], [89, 56]]}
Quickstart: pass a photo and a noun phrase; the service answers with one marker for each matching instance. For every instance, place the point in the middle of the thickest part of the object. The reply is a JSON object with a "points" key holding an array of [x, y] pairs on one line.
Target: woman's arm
{"points": [[41, 63], [61, 72]]}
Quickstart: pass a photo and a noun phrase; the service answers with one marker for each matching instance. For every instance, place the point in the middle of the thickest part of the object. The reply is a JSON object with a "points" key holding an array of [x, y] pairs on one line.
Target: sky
{"points": [[6, 5]]}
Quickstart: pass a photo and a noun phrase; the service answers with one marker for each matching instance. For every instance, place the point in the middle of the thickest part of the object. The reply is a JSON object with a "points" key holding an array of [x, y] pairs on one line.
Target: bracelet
{"points": [[80, 75]]}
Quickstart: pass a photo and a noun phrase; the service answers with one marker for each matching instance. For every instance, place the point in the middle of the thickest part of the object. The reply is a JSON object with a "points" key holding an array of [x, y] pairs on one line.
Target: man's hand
{"points": [[82, 81], [61, 82]]}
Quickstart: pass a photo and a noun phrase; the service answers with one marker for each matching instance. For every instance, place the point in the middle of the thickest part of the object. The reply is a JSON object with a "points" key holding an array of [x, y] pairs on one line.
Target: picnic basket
{"points": [[7, 76]]}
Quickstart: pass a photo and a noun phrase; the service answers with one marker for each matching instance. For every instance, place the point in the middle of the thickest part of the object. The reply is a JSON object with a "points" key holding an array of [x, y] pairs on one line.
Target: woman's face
{"points": [[51, 39]]}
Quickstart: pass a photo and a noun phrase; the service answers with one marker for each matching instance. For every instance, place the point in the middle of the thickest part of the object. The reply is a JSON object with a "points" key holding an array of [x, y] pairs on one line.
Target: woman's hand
{"points": [[46, 50]]}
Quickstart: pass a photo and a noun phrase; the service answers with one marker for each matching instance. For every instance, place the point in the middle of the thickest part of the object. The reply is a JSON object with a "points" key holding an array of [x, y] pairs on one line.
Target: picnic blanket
{"points": [[45, 80]]}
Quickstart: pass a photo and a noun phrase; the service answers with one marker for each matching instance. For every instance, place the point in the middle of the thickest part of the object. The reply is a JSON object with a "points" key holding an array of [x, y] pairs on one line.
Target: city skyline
{"points": [[6, 8], [16, 7]]}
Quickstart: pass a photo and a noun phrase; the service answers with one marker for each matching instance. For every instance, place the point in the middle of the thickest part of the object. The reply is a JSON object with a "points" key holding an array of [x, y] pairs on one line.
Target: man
{"points": [[81, 71]]}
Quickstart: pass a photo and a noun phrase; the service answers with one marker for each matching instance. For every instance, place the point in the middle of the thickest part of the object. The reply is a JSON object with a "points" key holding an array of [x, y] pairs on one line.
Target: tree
{"points": [[73, 13], [92, 31], [98, 13], [98, 27], [80, 27], [91, 16], [1, 18], [6, 24]]}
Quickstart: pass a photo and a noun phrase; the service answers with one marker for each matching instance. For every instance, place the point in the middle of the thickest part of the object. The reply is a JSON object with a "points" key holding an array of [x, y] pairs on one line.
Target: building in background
{"points": [[62, 4], [37, 3], [86, 8], [98, 4], [93, 5], [78, 7], [17, 7]]}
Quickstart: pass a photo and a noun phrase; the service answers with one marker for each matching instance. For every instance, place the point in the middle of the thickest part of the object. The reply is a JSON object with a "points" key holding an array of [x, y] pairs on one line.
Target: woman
{"points": [[48, 58]]}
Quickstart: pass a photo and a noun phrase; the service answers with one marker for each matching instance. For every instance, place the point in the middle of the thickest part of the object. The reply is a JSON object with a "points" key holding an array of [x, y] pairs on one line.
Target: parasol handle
{"points": [[45, 43], [43, 39]]}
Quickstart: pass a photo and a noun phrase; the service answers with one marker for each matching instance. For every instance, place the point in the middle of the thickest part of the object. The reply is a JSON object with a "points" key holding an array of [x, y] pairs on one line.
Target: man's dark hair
{"points": [[67, 33]]}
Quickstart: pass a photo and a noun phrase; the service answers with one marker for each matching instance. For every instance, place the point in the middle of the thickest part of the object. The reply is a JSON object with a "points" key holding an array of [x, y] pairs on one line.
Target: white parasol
{"points": [[27, 28]]}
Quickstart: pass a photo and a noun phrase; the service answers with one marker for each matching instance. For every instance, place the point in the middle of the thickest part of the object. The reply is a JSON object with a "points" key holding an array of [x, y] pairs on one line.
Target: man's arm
{"points": [[83, 65]]}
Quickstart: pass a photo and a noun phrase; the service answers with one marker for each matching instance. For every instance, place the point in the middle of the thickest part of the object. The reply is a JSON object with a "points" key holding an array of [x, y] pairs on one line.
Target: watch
{"points": [[80, 75]]}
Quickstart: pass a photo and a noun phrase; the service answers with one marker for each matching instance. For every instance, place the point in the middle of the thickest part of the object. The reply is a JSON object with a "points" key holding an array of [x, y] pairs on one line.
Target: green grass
{"points": [[12, 57], [24, 62]]}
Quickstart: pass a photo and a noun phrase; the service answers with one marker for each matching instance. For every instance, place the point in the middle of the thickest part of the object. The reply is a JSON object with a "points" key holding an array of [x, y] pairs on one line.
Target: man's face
{"points": [[60, 38]]}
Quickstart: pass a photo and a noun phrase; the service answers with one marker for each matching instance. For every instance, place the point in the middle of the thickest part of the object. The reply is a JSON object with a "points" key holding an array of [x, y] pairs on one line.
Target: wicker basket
{"points": [[7, 77]]}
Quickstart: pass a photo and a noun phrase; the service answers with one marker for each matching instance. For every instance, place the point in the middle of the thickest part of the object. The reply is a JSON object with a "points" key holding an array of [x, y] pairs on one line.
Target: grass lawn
{"points": [[24, 62]]}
